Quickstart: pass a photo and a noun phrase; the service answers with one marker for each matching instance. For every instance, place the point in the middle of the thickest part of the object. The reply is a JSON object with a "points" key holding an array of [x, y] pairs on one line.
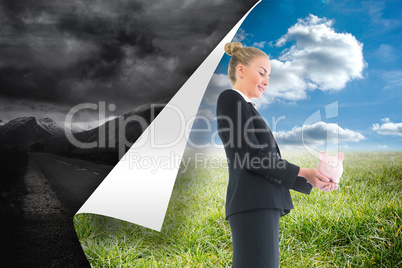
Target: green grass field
{"points": [[358, 225]]}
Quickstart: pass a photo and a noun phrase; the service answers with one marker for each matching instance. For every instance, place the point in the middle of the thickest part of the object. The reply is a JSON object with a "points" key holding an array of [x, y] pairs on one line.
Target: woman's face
{"points": [[255, 76]]}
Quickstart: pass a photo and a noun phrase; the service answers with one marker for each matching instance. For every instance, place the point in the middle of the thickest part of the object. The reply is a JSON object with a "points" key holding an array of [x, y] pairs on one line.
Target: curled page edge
{"points": [[141, 195]]}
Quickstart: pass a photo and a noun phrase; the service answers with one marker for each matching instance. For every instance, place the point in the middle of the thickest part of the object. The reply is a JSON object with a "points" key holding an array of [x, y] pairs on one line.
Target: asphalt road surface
{"points": [[73, 180], [43, 234]]}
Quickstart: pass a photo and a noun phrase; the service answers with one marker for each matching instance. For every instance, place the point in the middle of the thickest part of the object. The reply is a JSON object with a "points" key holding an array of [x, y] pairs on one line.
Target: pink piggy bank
{"points": [[331, 166]]}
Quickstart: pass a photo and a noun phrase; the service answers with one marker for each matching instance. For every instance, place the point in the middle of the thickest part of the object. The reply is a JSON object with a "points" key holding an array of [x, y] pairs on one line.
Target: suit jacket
{"points": [[258, 176]]}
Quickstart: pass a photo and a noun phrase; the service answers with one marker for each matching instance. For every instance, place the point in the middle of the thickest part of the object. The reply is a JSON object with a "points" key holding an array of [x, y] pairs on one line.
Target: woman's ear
{"points": [[240, 71]]}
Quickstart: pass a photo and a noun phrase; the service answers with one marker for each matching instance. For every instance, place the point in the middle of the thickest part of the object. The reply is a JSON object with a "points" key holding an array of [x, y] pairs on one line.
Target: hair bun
{"points": [[231, 48]]}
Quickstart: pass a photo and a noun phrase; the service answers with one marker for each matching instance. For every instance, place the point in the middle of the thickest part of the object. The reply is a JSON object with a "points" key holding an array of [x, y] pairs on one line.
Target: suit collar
{"points": [[245, 97]]}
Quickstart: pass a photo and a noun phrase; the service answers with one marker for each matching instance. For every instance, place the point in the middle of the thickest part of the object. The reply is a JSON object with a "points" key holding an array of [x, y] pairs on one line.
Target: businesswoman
{"points": [[259, 179]]}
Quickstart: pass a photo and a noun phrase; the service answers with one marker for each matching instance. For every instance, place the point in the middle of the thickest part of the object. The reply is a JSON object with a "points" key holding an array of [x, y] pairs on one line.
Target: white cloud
{"points": [[375, 10], [259, 44], [205, 115], [385, 53], [316, 134], [385, 120], [388, 127], [320, 59], [218, 83], [393, 79], [383, 146], [240, 35]]}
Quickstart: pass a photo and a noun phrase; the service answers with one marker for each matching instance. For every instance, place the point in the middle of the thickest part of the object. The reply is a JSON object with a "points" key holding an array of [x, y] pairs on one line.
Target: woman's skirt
{"points": [[255, 237]]}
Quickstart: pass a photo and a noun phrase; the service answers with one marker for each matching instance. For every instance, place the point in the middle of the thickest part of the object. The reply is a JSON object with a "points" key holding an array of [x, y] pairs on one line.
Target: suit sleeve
{"points": [[235, 126], [301, 185]]}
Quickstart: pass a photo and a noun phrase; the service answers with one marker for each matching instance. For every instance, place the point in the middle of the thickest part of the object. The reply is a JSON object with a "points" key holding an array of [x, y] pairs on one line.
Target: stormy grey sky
{"points": [[57, 54]]}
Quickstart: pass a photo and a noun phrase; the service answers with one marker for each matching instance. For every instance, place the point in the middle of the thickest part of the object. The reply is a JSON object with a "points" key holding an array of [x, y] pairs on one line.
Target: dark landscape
{"points": [[44, 180]]}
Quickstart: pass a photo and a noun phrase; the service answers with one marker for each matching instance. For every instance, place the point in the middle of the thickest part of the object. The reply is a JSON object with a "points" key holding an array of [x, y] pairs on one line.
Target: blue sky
{"points": [[324, 52]]}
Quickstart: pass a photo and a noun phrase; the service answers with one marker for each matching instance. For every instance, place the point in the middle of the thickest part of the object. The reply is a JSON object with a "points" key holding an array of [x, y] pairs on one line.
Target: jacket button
{"points": [[279, 182], [275, 180]]}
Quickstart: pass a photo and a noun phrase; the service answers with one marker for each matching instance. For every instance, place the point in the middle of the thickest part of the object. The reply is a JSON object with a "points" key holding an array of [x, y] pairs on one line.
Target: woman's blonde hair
{"points": [[240, 55]]}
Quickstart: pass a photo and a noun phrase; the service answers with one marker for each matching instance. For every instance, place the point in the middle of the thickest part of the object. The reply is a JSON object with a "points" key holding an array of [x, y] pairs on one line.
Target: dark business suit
{"points": [[259, 179]]}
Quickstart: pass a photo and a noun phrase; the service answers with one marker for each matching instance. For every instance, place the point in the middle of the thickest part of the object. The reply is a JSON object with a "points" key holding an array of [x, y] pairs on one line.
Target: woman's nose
{"points": [[265, 81]]}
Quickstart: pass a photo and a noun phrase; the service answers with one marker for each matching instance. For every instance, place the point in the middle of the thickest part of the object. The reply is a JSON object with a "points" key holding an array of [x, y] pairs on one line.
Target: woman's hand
{"points": [[329, 188], [318, 180]]}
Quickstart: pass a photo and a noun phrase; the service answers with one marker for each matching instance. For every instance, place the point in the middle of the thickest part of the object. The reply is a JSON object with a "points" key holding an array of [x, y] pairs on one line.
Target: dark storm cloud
{"points": [[123, 52]]}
